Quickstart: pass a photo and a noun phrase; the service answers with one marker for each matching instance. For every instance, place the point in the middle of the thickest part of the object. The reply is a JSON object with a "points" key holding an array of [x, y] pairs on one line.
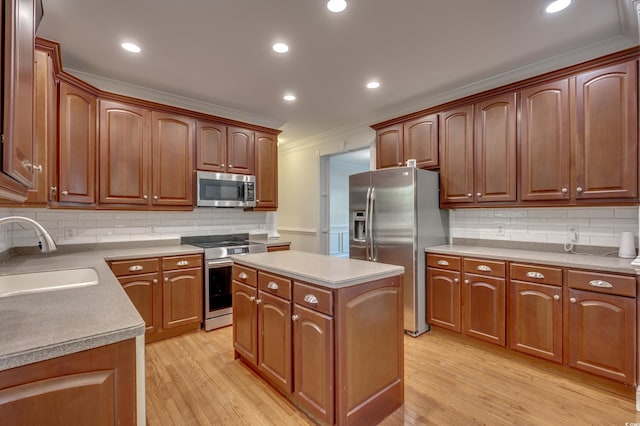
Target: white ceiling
{"points": [[219, 51]]}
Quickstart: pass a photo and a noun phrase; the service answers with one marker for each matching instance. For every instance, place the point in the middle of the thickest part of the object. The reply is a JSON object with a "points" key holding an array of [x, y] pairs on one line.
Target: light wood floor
{"points": [[194, 380]]}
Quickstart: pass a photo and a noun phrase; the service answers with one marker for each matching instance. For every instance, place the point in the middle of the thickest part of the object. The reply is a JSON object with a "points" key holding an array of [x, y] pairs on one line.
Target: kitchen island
{"points": [[326, 332]]}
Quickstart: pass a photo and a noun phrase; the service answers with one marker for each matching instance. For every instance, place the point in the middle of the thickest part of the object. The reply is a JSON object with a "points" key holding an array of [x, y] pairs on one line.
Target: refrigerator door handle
{"points": [[366, 225], [372, 243]]}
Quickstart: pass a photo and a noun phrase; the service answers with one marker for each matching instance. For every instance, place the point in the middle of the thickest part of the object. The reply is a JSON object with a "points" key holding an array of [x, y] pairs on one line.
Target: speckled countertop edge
{"points": [[592, 262]]}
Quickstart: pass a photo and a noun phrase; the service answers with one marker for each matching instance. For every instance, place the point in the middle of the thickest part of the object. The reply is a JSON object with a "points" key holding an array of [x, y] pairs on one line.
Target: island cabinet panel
{"points": [[266, 158], [456, 155], [96, 387], [245, 321], [76, 145], [545, 150], [389, 147], [240, 150], [211, 146], [606, 143]]}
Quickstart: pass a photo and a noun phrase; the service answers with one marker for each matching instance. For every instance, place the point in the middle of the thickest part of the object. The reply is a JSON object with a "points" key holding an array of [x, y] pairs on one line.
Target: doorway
{"points": [[334, 201]]}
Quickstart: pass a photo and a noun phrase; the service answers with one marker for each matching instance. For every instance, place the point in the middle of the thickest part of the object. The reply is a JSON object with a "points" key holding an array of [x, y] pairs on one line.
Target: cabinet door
{"points": [[77, 145], [181, 298], [266, 171], [389, 147], [211, 146], [245, 321], [456, 155], [274, 340], [607, 133], [421, 141], [484, 308], [172, 146], [313, 363], [545, 169], [602, 334], [240, 150], [124, 154], [145, 295], [535, 319], [495, 149], [443, 299], [18, 121]]}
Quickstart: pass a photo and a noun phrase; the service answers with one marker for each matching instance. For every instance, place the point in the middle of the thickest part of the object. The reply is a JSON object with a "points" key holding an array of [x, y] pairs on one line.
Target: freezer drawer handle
{"points": [[272, 286], [532, 274], [443, 263], [183, 263], [600, 283], [135, 268], [310, 298], [483, 268]]}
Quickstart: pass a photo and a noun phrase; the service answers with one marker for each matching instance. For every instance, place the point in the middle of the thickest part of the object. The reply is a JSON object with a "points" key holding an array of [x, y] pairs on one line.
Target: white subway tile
{"points": [[626, 212], [591, 212], [557, 213]]}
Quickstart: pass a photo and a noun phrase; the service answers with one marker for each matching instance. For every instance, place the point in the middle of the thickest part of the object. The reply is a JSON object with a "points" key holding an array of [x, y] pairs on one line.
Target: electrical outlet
{"points": [[70, 233], [500, 229], [572, 233]]}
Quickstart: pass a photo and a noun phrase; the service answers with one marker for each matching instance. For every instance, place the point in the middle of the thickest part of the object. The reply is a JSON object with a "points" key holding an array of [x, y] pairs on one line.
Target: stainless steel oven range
{"points": [[217, 273]]}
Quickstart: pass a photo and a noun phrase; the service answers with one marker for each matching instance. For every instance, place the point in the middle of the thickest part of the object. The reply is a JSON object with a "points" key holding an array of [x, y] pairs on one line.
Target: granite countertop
{"points": [[40, 326], [326, 271], [594, 262]]}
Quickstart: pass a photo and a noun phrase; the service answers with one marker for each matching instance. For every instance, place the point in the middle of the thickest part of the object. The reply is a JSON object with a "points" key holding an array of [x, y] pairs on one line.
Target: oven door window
{"points": [[219, 287], [221, 190]]}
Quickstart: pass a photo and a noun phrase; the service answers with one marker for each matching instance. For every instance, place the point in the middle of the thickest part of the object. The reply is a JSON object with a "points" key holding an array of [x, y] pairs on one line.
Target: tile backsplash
{"points": [[595, 226], [91, 227]]}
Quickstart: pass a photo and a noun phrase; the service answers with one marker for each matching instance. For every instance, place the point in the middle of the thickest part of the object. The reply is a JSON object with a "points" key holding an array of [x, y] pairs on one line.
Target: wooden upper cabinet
{"points": [[456, 155], [545, 151], [211, 146], [240, 150], [389, 147], [172, 159], [421, 141], [606, 145], [495, 149], [124, 145], [18, 91], [266, 171], [76, 145]]}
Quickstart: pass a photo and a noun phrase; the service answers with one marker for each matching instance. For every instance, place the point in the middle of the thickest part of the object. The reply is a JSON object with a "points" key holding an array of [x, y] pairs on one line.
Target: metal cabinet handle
{"points": [[65, 192], [182, 263], [145, 196], [155, 197], [252, 298], [155, 281], [579, 189], [600, 283], [37, 168], [230, 166], [532, 274], [455, 280], [258, 301], [243, 276], [310, 298], [443, 263], [466, 281], [565, 190], [483, 268], [272, 286], [573, 300], [135, 268], [556, 297], [469, 195], [166, 279], [295, 317], [479, 194]]}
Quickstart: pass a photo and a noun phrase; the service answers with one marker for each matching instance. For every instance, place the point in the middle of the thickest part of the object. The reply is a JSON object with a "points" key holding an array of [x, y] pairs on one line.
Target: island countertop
{"points": [[326, 271]]}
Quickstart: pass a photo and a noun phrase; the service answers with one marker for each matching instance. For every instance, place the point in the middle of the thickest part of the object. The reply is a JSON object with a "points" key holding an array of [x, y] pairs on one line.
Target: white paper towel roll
{"points": [[627, 245]]}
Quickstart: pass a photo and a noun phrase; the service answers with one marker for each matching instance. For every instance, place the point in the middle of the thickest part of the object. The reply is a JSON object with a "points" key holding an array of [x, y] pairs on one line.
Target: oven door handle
{"points": [[219, 263]]}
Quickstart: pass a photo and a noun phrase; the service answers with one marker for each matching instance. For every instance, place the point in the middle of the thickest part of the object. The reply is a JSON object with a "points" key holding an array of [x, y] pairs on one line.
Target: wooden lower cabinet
{"points": [[166, 291], [278, 247], [314, 344], [443, 299], [96, 387], [484, 308]]}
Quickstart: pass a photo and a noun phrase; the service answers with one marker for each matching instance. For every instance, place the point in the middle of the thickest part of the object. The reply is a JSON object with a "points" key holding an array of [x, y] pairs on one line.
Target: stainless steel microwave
{"points": [[225, 190]]}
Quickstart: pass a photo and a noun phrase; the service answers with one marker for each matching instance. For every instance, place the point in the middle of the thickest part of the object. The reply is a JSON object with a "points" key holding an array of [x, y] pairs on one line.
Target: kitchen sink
{"points": [[38, 282]]}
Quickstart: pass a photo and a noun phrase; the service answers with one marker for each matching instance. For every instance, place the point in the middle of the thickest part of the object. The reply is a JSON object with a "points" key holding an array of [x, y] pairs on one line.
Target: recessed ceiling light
{"points": [[130, 47], [557, 6], [373, 85], [336, 5], [280, 48], [289, 98]]}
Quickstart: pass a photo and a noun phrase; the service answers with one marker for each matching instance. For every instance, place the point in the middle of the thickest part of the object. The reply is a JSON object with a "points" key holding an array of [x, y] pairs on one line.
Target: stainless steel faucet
{"points": [[45, 242]]}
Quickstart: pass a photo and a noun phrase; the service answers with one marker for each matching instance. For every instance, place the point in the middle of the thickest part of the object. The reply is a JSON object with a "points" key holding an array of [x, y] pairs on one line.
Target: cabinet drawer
{"points": [[443, 262], [134, 266], [536, 274], [315, 298], [245, 275], [274, 284], [181, 262], [602, 283], [490, 268]]}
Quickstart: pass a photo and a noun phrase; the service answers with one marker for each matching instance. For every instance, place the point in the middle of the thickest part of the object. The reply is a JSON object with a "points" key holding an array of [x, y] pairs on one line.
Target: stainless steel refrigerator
{"points": [[394, 214]]}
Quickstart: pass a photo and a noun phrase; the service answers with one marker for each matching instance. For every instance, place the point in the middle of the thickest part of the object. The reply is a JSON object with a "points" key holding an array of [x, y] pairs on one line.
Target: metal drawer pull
{"points": [[183, 263], [455, 280], [533, 274], [135, 268], [243, 276], [443, 263], [252, 298], [600, 283], [573, 300], [556, 297], [310, 298], [484, 268], [294, 317], [272, 286]]}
